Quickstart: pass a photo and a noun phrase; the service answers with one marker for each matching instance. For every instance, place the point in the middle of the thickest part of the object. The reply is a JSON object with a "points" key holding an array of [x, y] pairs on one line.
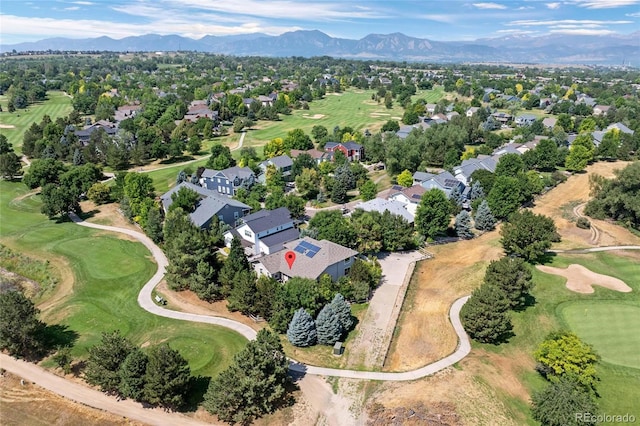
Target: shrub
{"points": [[583, 223]]}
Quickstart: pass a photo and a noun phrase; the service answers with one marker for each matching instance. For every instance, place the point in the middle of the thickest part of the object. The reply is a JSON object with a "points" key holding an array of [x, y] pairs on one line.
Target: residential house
{"points": [[381, 205], [601, 109], [229, 180], [318, 156], [525, 120], [430, 108], [464, 171], [443, 181], [353, 151], [265, 231], [621, 127], [313, 259], [549, 122], [84, 135], [472, 111], [283, 163], [211, 204], [502, 117], [409, 197], [126, 111]]}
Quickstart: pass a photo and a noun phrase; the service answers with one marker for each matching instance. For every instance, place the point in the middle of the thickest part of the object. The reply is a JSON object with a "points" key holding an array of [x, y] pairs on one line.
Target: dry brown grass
{"points": [[424, 333], [576, 189], [32, 405]]}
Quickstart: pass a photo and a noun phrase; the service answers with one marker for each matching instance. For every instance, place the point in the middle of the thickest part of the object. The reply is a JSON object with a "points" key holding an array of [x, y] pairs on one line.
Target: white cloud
{"points": [[83, 3], [447, 19], [553, 5], [604, 4], [550, 23], [489, 6], [633, 15], [583, 31], [36, 28], [72, 8]]}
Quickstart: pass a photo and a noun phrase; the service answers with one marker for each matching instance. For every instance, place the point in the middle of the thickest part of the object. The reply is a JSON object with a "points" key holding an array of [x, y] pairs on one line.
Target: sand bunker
{"points": [[313, 117], [7, 126], [582, 280]]}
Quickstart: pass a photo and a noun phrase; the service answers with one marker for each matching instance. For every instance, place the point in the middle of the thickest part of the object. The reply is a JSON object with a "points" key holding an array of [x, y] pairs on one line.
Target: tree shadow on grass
{"points": [[88, 215], [58, 336], [546, 258], [197, 388], [180, 159]]}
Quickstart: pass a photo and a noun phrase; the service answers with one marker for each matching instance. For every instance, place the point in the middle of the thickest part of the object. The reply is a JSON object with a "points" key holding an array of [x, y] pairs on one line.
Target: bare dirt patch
{"points": [[7, 126], [575, 191], [108, 214], [424, 333], [314, 116], [29, 404], [582, 280]]}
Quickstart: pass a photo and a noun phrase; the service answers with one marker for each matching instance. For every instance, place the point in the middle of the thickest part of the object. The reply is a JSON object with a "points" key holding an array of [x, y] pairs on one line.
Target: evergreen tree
{"points": [[182, 177], [302, 329], [78, 158], [328, 327], [21, 332], [513, 276], [463, 225], [254, 385], [167, 378], [105, 360], [485, 316], [476, 191], [456, 197], [234, 263], [342, 309], [484, 220], [559, 403], [244, 293], [528, 235], [153, 225], [132, 372]]}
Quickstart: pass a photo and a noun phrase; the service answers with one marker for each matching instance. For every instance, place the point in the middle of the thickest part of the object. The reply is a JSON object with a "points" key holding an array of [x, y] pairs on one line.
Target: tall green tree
{"points": [[132, 374], [185, 198], [42, 172], [342, 309], [167, 378], [234, 263], [432, 216], [528, 235], [105, 360], [58, 200], [254, 385], [505, 197], [21, 332], [484, 220], [405, 178], [463, 225], [328, 326], [513, 276], [563, 403], [485, 316], [302, 329]]}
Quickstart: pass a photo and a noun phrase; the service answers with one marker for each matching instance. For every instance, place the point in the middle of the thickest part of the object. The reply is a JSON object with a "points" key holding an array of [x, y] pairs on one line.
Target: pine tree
{"points": [[302, 329], [234, 263], [182, 177], [244, 293], [20, 329], [463, 225], [167, 378], [476, 191], [105, 360], [484, 220], [153, 226], [342, 309], [513, 276], [328, 327], [485, 316], [78, 158], [132, 372], [456, 196]]}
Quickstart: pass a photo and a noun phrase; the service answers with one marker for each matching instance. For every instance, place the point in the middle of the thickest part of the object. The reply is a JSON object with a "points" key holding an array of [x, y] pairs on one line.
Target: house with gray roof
{"points": [[464, 171], [443, 181], [381, 205], [229, 180], [84, 135], [283, 163], [210, 204], [313, 259], [525, 120], [409, 197], [265, 231]]}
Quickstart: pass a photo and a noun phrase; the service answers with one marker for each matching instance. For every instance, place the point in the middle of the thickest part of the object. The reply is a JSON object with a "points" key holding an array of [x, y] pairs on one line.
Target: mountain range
{"points": [[550, 49]]}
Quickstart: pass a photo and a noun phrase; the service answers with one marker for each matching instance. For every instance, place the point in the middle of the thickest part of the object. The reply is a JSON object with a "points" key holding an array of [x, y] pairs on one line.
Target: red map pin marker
{"points": [[290, 257]]}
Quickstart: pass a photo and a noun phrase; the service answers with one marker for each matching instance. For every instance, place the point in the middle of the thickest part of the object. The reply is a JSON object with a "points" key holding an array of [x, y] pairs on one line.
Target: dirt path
{"points": [[595, 232], [84, 395]]}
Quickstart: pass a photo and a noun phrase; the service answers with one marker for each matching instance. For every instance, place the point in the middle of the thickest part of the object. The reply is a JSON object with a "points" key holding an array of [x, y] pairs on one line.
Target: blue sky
{"points": [[22, 20]]}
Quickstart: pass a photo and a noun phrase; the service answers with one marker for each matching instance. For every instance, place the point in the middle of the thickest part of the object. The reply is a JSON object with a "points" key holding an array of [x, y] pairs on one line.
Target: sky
{"points": [[444, 20]]}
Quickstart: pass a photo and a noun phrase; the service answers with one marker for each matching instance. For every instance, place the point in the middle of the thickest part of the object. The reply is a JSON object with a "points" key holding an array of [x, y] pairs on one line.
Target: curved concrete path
{"points": [[146, 302]]}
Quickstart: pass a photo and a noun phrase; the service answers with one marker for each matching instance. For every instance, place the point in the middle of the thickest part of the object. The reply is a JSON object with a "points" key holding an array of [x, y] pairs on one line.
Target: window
{"points": [[248, 233], [347, 270], [236, 215], [347, 261], [221, 218]]}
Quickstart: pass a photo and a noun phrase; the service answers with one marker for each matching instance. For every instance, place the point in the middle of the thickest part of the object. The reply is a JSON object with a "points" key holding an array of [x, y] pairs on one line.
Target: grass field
{"points": [[57, 105], [107, 274], [352, 108], [619, 387], [611, 328]]}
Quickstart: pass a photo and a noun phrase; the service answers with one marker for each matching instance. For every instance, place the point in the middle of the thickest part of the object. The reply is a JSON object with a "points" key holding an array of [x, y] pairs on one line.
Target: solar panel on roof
{"points": [[313, 247], [299, 249], [303, 244], [311, 253]]}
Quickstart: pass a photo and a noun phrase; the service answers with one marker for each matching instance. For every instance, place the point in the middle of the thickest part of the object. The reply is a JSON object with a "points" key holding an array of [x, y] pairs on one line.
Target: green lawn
{"points": [[619, 387], [611, 328], [57, 105], [108, 274], [352, 108]]}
